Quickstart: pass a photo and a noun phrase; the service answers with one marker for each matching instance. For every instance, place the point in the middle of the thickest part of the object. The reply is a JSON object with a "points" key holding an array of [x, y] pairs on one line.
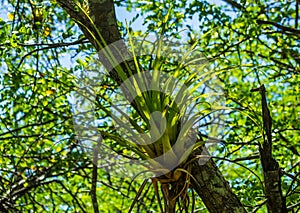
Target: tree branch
{"points": [[295, 32], [272, 174], [297, 14], [49, 46], [94, 176], [214, 190], [235, 5]]}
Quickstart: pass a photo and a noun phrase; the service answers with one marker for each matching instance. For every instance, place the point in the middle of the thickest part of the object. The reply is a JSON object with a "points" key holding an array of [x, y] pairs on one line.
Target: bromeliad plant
{"points": [[159, 124]]}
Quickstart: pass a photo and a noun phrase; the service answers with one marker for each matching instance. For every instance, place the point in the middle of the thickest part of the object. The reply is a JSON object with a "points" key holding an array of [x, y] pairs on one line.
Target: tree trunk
{"points": [[214, 190], [210, 185]]}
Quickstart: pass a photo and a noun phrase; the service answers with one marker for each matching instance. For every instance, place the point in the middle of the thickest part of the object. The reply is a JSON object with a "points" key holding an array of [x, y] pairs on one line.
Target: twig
{"points": [[50, 46], [257, 207], [235, 5], [293, 206], [246, 158], [284, 28], [297, 14], [94, 177]]}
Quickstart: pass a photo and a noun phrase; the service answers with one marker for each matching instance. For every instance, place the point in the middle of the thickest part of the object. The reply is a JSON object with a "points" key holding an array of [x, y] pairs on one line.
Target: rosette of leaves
{"points": [[158, 122]]}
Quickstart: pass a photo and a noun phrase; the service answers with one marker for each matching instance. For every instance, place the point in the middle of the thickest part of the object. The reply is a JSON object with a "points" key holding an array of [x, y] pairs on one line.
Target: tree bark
{"points": [[272, 177], [210, 185], [214, 190]]}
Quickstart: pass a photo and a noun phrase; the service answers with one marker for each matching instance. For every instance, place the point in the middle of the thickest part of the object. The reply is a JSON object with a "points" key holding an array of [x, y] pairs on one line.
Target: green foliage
{"points": [[43, 167]]}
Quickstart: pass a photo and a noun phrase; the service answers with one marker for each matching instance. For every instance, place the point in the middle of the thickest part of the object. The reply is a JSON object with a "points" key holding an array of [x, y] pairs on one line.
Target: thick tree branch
{"points": [[214, 190]]}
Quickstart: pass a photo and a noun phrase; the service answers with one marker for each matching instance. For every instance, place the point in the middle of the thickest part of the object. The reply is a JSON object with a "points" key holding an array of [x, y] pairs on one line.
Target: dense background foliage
{"points": [[42, 166]]}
